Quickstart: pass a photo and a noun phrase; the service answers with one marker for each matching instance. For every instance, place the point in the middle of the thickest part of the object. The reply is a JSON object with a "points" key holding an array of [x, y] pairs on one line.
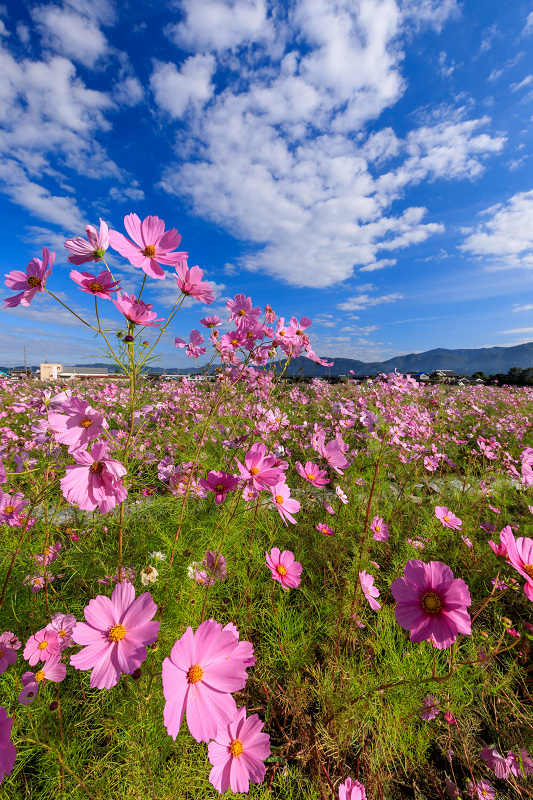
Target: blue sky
{"points": [[364, 162]]}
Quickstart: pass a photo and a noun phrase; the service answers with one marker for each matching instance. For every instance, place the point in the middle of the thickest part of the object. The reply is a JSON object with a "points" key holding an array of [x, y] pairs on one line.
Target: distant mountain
{"points": [[489, 360]]}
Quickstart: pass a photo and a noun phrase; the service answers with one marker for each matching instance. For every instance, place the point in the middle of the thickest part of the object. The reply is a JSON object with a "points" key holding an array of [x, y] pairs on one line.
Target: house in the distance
{"points": [[445, 376], [83, 372], [49, 372]]}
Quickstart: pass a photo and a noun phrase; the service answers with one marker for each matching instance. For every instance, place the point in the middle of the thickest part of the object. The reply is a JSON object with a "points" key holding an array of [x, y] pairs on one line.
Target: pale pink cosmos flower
{"points": [[63, 625], [520, 765], [31, 281], [51, 670], [430, 602], [193, 345], [380, 529], [12, 640], [115, 635], [237, 753], [430, 708], [136, 311], [210, 322], [8, 751], [203, 670], [94, 481], [312, 473], [286, 505], [151, 245], [500, 765], [241, 311], [12, 507], [190, 283], [79, 425], [369, 590], [483, 789], [284, 568], [520, 555], [352, 790], [259, 468], [100, 285], [332, 452], [341, 495], [41, 646], [220, 483], [8, 654], [447, 518], [94, 249]]}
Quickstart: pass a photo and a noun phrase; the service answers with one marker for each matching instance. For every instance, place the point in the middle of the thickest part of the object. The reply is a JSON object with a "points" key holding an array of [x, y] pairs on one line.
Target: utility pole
{"points": [[25, 365]]}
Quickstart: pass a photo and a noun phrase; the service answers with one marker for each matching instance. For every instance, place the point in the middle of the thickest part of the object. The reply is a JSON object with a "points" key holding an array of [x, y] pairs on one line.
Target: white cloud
{"points": [[507, 235], [128, 91], [529, 24], [525, 82], [174, 90], [432, 13], [526, 307], [70, 34], [518, 330], [381, 264], [124, 194], [219, 25], [364, 301]]}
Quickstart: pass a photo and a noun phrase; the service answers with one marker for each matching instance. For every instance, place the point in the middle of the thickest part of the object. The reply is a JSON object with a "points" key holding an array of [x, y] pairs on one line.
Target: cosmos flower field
{"points": [[249, 586]]}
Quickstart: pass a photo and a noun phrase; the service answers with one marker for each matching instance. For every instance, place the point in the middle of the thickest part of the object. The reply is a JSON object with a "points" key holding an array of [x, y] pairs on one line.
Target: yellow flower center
{"points": [[195, 674], [62, 633], [149, 251], [279, 500], [43, 645], [378, 528], [242, 313], [96, 468], [9, 509], [85, 422], [528, 569], [281, 570], [34, 281], [117, 633], [1, 653], [96, 287], [311, 477], [446, 519], [254, 471], [39, 676], [299, 332], [219, 487], [282, 333], [235, 341], [37, 581], [250, 335], [431, 603], [236, 748]]}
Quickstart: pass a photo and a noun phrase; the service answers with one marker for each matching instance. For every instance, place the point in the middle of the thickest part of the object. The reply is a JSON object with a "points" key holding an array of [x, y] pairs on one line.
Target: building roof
{"points": [[85, 370]]}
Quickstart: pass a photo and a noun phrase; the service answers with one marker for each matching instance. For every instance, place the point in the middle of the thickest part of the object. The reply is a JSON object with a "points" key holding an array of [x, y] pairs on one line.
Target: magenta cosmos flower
{"points": [[237, 754], [8, 654], [91, 250], [198, 678], [94, 481], [430, 602], [369, 590], [241, 311], [31, 281], [316, 476], [448, 518], [8, 752], [115, 635], [151, 245], [520, 555], [352, 790], [260, 469], [78, 426], [380, 529], [284, 568], [136, 311], [190, 283], [220, 483], [99, 285], [12, 507], [51, 670]]}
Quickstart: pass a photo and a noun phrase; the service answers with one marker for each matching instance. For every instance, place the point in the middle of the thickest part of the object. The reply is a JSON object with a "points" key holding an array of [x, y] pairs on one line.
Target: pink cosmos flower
{"points": [[260, 468], [448, 518], [284, 568], [517, 764], [190, 283], [352, 790], [115, 635], [99, 285], [332, 452], [202, 671], [430, 602], [8, 655], [151, 245], [193, 345], [220, 483], [94, 480], [8, 752], [237, 753], [136, 311], [51, 670], [78, 426], [484, 790], [312, 473], [380, 529], [520, 555], [41, 646], [286, 505], [91, 250], [31, 281], [210, 322], [430, 708], [12, 508], [500, 765], [242, 312], [325, 529], [63, 625], [12, 640], [501, 548], [369, 590]]}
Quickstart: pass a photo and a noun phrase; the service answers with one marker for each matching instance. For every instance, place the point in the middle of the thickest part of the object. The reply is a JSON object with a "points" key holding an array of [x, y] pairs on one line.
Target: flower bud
{"points": [[129, 339], [507, 622], [136, 674], [54, 705]]}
